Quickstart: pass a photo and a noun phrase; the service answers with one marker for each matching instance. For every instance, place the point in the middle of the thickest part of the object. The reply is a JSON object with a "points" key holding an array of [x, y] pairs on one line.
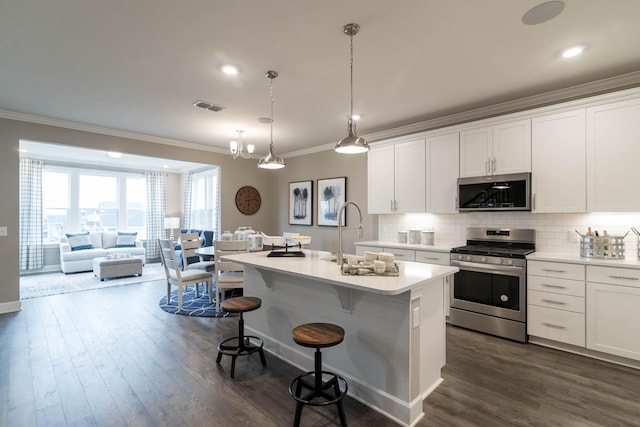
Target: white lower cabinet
{"points": [[556, 301], [613, 311]]}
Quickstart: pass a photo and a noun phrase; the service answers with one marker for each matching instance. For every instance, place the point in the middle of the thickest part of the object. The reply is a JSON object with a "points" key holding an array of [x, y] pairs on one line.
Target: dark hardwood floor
{"points": [[112, 357]]}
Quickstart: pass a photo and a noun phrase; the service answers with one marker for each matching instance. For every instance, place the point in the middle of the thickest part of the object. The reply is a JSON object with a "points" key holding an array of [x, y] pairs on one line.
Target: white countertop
{"points": [[412, 274], [381, 243], [577, 259]]}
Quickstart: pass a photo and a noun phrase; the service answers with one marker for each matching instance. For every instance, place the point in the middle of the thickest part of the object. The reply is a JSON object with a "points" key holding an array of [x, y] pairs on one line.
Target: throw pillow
{"points": [[126, 240], [79, 241]]}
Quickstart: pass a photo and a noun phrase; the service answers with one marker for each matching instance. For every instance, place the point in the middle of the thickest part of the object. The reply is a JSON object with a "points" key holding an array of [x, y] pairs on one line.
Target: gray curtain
{"points": [[188, 196], [31, 247], [156, 209]]}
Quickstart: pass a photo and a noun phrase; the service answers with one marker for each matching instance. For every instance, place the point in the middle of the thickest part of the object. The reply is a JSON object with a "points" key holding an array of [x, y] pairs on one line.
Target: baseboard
{"points": [[10, 307]]}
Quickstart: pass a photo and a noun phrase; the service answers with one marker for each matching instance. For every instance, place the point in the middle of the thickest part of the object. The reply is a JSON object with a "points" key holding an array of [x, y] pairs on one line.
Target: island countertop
{"points": [[315, 265]]}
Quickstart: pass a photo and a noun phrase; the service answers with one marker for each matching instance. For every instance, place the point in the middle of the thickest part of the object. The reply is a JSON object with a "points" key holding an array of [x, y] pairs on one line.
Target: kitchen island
{"points": [[394, 346]]}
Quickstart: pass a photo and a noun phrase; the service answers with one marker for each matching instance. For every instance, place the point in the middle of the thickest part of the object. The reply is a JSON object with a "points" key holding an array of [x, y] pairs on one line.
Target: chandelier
{"points": [[237, 147]]}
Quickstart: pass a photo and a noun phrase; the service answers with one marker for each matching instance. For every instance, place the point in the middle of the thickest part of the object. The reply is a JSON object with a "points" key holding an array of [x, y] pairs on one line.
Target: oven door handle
{"points": [[488, 267]]}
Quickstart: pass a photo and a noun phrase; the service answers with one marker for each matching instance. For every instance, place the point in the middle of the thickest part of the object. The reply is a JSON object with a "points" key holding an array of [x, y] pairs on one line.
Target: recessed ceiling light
{"points": [[543, 12], [572, 51], [114, 154], [230, 70]]}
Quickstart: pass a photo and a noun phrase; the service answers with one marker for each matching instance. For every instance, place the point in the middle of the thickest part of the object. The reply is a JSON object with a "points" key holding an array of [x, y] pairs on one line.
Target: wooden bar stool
{"points": [[242, 345], [318, 335]]}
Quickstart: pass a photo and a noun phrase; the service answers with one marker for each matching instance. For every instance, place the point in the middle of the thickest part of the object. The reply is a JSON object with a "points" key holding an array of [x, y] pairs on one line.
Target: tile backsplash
{"points": [[554, 232]]}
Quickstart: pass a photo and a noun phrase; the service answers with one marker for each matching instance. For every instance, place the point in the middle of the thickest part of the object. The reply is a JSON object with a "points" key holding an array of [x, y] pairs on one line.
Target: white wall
{"points": [[554, 232]]}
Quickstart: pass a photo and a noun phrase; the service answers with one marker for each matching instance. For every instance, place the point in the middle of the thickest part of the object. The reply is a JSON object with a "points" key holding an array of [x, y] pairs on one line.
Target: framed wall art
{"points": [[332, 193], [301, 203]]}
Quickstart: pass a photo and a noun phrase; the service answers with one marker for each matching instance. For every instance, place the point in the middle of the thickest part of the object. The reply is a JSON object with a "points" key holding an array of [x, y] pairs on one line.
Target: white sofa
{"points": [[104, 243]]}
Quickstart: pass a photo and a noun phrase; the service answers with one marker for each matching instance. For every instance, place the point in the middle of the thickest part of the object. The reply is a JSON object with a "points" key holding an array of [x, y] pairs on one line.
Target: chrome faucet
{"points": [[339, 256]]}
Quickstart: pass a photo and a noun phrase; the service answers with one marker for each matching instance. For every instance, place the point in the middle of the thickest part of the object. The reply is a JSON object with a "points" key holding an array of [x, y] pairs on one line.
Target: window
{"points": [[205, 200], [85, 200]]}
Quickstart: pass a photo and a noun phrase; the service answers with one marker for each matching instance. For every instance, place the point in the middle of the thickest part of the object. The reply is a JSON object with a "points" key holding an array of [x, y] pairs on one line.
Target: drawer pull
{"points": [[624, 277], [554, 302], [430, 258], [553, 271], [399, 255], [554, 286], [551, 325]]}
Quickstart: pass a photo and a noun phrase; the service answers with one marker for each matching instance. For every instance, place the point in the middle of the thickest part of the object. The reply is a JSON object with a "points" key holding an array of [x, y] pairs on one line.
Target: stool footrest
{"points": [[240, 346], [333, 383]]}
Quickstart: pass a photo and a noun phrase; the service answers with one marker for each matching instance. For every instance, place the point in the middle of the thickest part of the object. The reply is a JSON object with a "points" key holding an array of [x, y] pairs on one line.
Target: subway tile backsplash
{"points": [[554, 232]]}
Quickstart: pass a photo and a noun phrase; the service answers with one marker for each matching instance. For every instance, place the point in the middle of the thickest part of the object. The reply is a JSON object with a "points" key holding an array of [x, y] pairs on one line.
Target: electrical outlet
{"points": [[416, 317], [573, 236], [3, 231]]}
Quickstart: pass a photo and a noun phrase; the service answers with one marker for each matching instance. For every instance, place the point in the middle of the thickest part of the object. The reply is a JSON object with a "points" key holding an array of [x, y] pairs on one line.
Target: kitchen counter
{"points": [[416, 247], [394, 346], [577, 259]]}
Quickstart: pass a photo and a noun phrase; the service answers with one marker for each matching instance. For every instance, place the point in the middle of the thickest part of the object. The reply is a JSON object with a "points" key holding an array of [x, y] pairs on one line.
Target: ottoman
{"points": [[108, 268]]}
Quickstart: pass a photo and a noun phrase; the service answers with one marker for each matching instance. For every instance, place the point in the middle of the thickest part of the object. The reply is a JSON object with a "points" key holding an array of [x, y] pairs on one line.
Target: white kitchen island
{"points": [[394, 346]]}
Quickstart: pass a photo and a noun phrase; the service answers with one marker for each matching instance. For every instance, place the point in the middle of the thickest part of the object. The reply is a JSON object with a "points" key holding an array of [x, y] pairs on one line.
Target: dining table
{"points": [[205, 251]]}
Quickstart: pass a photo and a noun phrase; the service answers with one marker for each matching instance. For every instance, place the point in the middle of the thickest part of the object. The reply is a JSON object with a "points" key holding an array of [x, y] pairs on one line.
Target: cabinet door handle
{"points": [[554, 286], [493, 166], [551, 325], [533, 202], [391, 205], [553, 271], [430, 258], [624, 277], [554, 302]]}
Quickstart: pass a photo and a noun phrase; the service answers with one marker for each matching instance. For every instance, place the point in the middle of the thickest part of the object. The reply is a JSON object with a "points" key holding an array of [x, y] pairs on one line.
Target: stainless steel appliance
{"points": [[490, 290], [509, 192]]}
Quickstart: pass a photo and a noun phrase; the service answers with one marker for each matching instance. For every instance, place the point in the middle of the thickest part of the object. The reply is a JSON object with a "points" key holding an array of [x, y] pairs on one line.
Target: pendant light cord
{"points": [[351, 53], [271, 95]]}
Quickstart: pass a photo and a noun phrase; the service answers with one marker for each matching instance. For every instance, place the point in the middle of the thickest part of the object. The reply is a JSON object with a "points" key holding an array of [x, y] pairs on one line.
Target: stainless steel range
{"points": [[490, 290]]}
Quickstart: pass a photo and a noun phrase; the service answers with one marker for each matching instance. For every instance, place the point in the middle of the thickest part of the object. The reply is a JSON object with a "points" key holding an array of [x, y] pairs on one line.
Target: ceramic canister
{"points": [[403, 236], [428, 237], [414, 236]]}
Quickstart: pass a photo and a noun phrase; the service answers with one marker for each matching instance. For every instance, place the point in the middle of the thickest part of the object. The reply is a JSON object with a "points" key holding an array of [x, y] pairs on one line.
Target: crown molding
{"points": [[11, 115], [598, 87]]}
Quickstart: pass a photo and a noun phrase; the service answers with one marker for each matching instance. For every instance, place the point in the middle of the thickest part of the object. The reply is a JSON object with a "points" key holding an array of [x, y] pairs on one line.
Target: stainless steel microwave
{"points": [[509, 192]]}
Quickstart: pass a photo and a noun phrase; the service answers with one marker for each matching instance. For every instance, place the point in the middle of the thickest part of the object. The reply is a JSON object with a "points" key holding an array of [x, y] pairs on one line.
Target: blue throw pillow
{"points": [[79, 241], [126, 239]]}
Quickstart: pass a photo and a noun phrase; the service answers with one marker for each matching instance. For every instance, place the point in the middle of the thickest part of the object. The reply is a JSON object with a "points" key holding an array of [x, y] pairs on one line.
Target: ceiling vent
{"points": [[207, 106]]}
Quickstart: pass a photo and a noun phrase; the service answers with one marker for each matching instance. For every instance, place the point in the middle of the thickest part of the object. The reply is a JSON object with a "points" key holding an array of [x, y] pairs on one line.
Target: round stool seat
{"points": [[241, 304], [318, 335]]}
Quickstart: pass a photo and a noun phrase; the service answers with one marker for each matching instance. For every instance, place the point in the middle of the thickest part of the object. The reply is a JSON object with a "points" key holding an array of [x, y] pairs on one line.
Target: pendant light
{"points": [[271, 161], [352, 143]]}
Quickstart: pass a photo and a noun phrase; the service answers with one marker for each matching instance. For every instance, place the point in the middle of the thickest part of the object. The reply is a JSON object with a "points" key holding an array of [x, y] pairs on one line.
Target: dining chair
{"points": [[229, 275], [190, 242], [180, 278]]}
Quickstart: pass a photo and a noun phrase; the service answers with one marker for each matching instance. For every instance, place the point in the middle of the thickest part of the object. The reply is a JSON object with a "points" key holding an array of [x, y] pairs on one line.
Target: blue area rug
{"points": [[193, 306]]}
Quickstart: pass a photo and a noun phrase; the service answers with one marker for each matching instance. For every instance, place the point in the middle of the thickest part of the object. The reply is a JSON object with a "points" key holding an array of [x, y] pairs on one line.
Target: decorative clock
{"points": [[248, 200]]}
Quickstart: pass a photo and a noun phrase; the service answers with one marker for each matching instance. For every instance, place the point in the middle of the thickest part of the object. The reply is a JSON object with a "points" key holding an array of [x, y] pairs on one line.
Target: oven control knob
{"points": [[484, 259], [510, 262], [469, 258]]}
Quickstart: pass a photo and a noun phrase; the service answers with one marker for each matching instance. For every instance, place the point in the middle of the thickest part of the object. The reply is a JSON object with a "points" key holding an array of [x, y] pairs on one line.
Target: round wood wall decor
{"points": [[248, 200]]}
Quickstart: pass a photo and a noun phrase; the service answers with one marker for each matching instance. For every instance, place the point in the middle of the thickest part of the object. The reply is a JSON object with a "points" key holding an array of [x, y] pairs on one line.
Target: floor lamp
{"points": [[171, 223]]}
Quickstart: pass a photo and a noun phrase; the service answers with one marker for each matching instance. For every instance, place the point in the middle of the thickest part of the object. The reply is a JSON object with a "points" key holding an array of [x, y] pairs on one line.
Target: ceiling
{"points": [[137, 66]]}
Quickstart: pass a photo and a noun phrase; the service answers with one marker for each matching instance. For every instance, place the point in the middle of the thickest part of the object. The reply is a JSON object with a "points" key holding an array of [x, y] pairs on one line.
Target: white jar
{"points": [[428, 237], [255, 242], [402, 236], [414, 236], [227, 235]]}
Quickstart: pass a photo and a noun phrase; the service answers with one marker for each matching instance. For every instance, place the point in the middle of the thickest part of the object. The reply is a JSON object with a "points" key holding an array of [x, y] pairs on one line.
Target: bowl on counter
{"points": [[273, 240]]}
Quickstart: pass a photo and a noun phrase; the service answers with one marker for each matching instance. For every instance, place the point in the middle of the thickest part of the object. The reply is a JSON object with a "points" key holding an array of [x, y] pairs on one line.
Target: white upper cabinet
{"points": [[443, 156], [396, 178], [558, 162], [495, 150], [613, 152]]}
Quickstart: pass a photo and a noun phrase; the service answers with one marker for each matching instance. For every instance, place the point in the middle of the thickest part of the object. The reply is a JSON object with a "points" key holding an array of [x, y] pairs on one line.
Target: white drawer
{"points": [[557, 325], [401, 254], [556, 301], [614, 276], [430, 257], [360, 249], [556, 269], [555, 285]]}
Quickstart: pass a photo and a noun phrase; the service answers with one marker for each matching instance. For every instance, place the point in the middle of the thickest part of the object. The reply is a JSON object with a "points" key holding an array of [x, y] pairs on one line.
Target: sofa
{"points": [[206, 239], [77, 250]]}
